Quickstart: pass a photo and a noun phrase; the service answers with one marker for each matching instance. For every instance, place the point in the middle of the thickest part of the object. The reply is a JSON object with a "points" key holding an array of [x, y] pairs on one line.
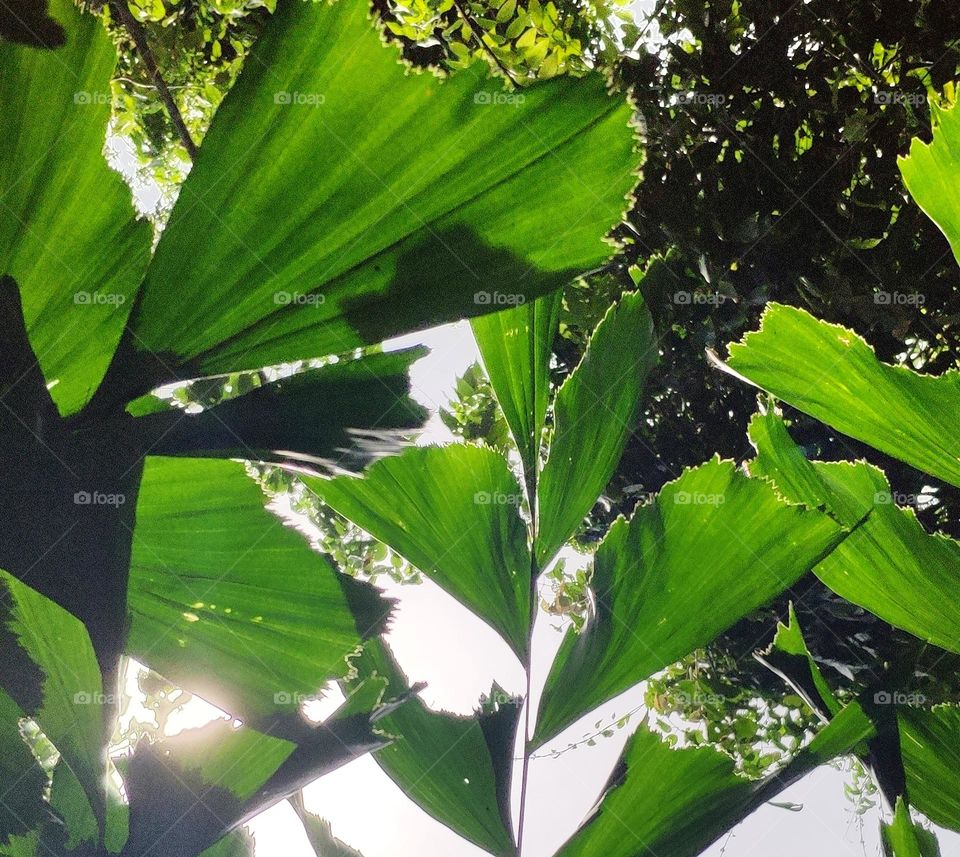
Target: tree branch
{"points": [[136, 32], [479, 34]]}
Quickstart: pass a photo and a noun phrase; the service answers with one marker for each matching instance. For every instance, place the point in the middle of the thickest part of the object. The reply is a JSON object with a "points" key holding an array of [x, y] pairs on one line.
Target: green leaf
{"points": [[453, 513], [789, 657], [890, 565], [338, 417], [50, 671], [676, 802], [515, 345], [903, 838], [908, 416], [457, 769], [930, 746], [67, 228], [229, 602], [931, 173], [189, 791], [239, 843], [320, 834], [339, 199], [29, 24], [593, 416], [70, 803], [22, 780], [711, 548]]}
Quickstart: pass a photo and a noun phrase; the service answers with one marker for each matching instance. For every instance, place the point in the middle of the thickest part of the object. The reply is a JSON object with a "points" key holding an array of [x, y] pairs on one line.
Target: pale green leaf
{"points": [[338, 199], [840, 381], [68, 234], [515, 345], [676, 802], [594, 414], [712, 547], [231, 603], [453, 513]]}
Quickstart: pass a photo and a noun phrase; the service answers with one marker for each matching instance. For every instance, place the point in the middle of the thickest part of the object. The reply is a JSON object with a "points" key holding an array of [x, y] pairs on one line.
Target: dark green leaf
{"points": [[50, 671], [22, 780], [320, 834], [676, 802], [790, 658], [903, 838], [188, 791], [455, 768], [338, 417], [930, 745]]}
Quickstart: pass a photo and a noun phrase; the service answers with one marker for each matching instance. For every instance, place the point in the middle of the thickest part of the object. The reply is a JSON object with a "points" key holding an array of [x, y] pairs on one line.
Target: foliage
{"points": [[338, 199], [463, 532], [129, 527], [200, 46]]}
